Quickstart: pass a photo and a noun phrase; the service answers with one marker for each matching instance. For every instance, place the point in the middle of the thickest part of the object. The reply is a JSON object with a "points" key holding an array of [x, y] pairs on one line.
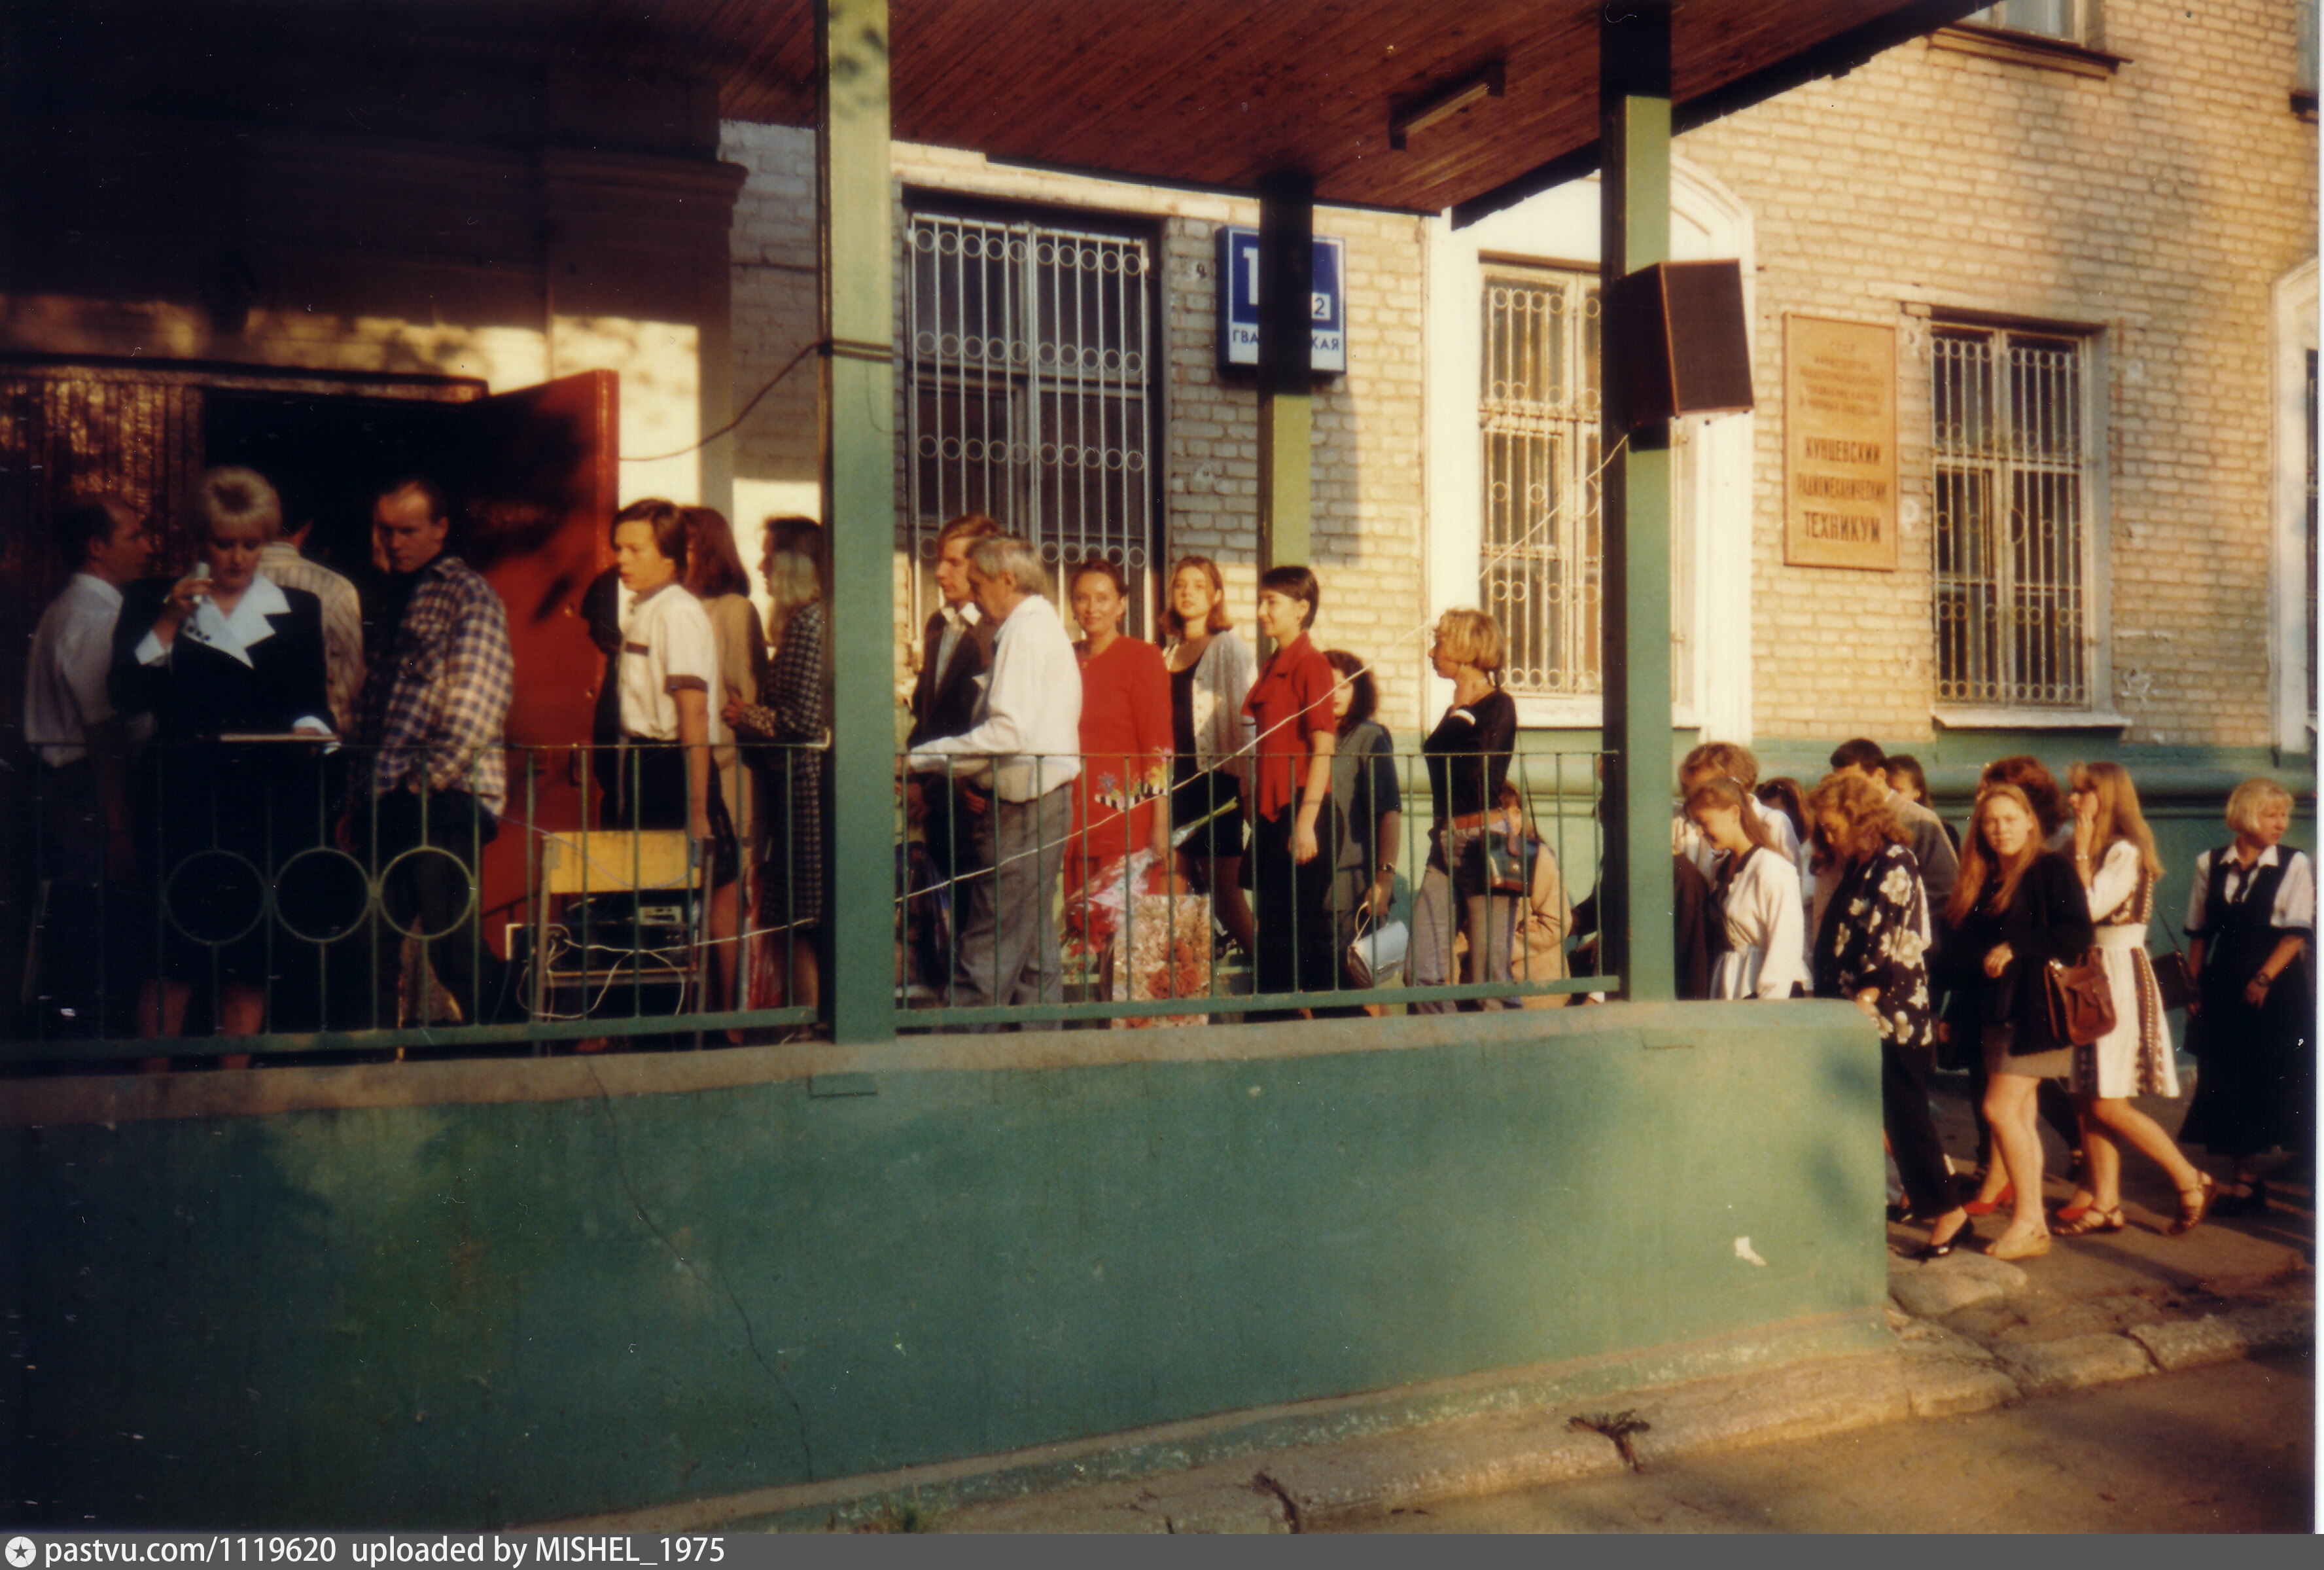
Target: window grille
{"points": [[1542, 551], [2013, 532], [2064, 19], [1031, 392]]}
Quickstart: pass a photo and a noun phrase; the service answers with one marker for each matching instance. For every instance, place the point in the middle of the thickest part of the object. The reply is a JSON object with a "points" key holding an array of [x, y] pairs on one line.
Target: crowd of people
{"points": [[1194, 776], [1854, 888], [200, 732]]}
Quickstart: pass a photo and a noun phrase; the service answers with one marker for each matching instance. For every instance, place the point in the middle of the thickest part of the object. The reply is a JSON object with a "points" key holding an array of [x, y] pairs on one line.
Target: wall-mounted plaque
{"points": [[1839, 443]]}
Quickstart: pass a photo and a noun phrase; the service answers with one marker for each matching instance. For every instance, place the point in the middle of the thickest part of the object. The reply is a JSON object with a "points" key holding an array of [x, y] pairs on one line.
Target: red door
{"points": [[543, 462]]}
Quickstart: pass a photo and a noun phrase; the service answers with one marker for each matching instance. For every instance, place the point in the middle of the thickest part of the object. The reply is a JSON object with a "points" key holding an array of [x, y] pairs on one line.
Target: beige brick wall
{"points": [[1367, 452], [2159, 204]]}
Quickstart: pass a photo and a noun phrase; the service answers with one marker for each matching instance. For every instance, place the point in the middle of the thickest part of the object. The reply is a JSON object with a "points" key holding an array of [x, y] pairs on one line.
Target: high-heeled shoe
{"points": [[2075, 1211], [2026, 1247], [2001, 1201], [2092, 1220], [2191, 1213], [1965, 1233]]}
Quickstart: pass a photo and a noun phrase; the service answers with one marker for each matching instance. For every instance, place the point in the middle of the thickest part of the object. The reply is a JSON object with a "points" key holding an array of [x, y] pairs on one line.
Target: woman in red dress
{"points": [[1125, 740]]}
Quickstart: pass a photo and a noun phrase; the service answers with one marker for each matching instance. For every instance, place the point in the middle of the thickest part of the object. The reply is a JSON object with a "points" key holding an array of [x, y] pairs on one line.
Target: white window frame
{"points": [[1551, 527], [2292, 641], [1712, 518], [2080, 26], [2097, 711]]}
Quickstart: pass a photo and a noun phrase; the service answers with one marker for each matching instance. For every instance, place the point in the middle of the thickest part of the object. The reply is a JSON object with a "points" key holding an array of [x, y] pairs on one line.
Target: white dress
{"points": [[1766, 935], [2135, 1058]]}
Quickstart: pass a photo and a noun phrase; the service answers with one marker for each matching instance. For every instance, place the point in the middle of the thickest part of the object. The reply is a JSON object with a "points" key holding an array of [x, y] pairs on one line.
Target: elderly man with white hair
{"points": [[1027, 738]]}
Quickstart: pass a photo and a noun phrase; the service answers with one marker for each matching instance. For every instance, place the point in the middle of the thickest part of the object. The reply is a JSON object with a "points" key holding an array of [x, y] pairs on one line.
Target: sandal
{"points": [[1965, 1233], [2093, 1219], [2075, 1209], [2191, 1213], [2030, 1247]]}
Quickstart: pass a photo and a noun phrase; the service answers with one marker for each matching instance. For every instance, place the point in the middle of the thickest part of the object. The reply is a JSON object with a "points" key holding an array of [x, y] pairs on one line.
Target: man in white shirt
{"points": [[670, 689], [1026, 749], [82, 785]]}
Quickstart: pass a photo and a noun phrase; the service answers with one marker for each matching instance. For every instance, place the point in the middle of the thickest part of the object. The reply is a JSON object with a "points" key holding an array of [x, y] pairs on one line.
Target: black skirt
{"points": [[1210, 798], [653, 794]]}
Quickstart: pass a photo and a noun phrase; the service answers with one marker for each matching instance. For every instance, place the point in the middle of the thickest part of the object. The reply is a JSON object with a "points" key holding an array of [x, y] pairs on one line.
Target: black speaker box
{"points": [[1675, 343]]}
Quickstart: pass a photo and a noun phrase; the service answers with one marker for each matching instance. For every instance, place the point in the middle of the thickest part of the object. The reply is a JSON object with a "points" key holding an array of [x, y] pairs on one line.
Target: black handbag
{"points": [[2171, 977], [2081, 1002]]}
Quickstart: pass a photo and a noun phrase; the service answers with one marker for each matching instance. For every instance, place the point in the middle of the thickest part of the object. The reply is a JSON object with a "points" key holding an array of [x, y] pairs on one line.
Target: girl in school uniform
{"points": [[2250, 919]]}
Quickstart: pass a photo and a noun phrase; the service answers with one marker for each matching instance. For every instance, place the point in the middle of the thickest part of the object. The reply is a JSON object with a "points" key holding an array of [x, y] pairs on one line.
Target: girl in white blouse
{"points": [[2113, 856], [1759, 890]]}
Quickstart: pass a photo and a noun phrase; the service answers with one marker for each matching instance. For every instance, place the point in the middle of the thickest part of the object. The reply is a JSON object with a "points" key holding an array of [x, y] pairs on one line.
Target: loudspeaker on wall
{"points": [[1675, 343]]}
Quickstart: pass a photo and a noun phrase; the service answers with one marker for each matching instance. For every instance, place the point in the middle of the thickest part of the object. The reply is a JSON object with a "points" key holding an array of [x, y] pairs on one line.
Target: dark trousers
{"points": [[1912, 1132], [1296, 946], [432, 893], [949, 829]]}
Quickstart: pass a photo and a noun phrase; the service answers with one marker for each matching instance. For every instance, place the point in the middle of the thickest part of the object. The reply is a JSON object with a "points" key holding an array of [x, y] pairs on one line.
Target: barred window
{"points": [[2013, 532], [1542, 548], [1031, 392]]}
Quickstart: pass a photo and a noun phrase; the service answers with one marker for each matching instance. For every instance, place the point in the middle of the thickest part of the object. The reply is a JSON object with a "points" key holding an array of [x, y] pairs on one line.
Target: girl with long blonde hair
{"points": [[2115, 858]]}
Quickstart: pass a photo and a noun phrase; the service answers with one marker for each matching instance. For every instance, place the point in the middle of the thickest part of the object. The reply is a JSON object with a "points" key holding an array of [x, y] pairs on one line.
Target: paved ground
{"points": [[2229, 1448]]}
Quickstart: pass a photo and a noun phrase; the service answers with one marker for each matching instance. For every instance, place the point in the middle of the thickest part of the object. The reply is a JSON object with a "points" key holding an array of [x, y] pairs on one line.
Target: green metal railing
{"points": [[256, 895], [1118, 932], [255, 898]]}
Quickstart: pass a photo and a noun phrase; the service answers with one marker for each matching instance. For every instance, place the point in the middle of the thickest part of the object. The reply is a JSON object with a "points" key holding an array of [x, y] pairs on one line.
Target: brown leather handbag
{"points": [[2081, 1002]]}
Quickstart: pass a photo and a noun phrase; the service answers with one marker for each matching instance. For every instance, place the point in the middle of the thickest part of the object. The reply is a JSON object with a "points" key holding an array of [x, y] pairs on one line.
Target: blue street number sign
{"points": [[1327, 305]]}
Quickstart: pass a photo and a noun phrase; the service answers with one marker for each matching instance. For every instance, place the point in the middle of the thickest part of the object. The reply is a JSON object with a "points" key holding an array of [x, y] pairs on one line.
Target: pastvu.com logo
{"points": [[20, 1552]]}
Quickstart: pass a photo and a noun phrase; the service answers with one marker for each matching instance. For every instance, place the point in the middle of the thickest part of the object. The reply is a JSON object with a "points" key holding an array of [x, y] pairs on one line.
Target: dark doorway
{"points": [[328, 456]]}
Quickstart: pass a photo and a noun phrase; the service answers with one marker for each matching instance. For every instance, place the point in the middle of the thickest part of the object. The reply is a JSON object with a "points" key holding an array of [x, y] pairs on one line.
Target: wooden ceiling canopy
{"points": [[1217, 93], [1208, 93]]}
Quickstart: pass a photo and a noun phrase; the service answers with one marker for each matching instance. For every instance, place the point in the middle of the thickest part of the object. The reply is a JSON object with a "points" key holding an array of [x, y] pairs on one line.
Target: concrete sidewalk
{"points": [[1973, 1333]]}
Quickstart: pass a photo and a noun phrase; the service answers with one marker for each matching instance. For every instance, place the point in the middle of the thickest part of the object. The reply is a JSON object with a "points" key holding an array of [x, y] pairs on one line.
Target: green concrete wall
{"points": [[499, 1308]]}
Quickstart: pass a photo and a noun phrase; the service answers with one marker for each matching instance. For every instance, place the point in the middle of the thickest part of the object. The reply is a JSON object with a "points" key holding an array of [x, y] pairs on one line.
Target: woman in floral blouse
{"points": [[1872, 948]]}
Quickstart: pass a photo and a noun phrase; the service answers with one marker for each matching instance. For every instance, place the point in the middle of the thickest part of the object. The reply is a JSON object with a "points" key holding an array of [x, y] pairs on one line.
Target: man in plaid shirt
{"points": [[434, 705]]}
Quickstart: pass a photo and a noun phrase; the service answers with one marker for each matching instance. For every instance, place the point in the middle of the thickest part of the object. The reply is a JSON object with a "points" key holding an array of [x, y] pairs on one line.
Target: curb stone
{"points": [[1383, 1472], [1803, 1401], [2072, 1362], [1935, 1372], [2224, 1337]]}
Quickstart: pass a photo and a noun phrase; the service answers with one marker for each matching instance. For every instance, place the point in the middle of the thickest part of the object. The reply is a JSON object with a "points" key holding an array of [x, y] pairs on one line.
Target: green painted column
{"points": [[859, 511], [1634, 118], [1287, 413]]}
